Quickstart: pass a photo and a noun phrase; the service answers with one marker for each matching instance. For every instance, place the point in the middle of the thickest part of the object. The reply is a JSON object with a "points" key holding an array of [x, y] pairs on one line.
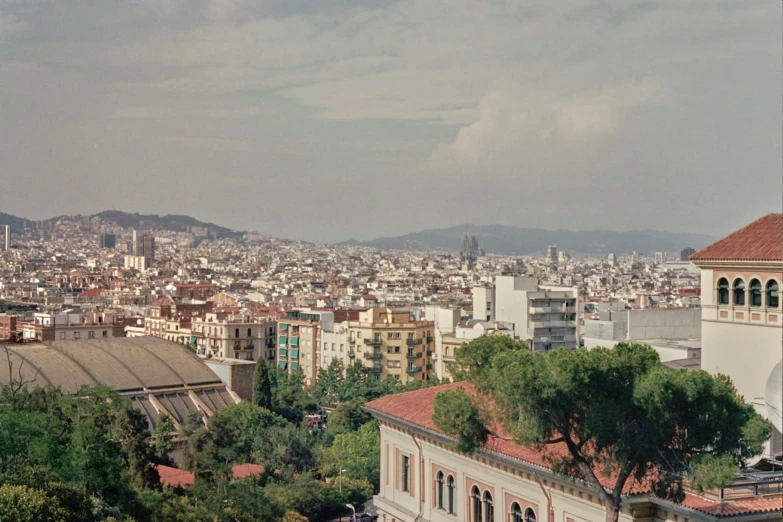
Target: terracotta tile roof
{"points": [[92, 292], [175, 477], [416, 407], [761, 240]]}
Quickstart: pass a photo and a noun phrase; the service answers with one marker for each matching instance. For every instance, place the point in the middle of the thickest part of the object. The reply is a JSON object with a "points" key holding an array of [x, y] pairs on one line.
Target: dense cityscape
{"points": [[183, 320]]}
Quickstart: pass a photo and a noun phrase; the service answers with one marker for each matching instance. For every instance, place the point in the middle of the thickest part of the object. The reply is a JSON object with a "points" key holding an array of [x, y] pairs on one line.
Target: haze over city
{"points": [[335, 120]]}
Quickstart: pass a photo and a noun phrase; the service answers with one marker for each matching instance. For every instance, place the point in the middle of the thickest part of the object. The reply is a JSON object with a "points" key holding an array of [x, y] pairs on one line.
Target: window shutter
{"points": [[397, 469], [412, 477]]}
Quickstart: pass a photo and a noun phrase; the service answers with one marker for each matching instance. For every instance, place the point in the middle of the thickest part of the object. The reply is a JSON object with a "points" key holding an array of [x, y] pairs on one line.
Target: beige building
{"points": [[234, 335], [424, 480], [67, 326], [391, 345], [741, 313]]}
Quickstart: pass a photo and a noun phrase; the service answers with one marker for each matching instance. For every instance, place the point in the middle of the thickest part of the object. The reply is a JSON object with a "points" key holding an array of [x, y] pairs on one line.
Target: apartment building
{"points": [[544, 316], [8, 327], [74, 325], [334, 346], [299, 341], [391, 345], [234, 335]]}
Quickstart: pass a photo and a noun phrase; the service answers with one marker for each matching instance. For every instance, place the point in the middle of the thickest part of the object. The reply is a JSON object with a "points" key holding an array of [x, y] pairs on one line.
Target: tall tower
{"points": [[551, 254], [144, 246], [7, 240], [469, 248]]}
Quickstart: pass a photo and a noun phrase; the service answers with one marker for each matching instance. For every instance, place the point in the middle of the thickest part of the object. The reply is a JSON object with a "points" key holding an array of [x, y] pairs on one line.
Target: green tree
{"points": [[25, 504], [616, 410], [358, 452], [164, 436], [262, 386], [330, 383]]}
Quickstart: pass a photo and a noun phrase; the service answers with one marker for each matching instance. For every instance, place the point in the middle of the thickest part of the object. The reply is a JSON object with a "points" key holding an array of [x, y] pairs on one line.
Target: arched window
{"points": [[530, 515], [773, 300], [249, 332], [739, 292], [475, 495], [439, 487], [723, 291], [489, 507], [755, 292], [516, 513], [236, 333], [451, 488]]}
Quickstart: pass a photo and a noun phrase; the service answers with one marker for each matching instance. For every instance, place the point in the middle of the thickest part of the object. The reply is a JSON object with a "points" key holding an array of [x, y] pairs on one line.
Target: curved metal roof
{"points": [[126, 364]]}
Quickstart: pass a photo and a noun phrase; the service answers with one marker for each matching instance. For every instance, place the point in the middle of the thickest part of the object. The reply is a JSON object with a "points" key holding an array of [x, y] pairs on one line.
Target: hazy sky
{"points": [[336, 119]]}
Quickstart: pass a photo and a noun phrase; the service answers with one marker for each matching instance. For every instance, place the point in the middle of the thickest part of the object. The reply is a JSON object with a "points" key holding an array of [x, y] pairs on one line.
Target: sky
{"points": [[335, 119]]}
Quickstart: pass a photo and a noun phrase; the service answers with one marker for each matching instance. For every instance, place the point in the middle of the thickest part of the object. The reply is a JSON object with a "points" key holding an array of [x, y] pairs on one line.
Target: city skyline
{"points": [[339, 121]]}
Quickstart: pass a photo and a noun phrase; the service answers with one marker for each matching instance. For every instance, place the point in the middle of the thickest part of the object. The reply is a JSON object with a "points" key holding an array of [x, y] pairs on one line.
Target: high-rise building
{"points": [[612, 260], [551, 254], [108, 240], [545, 316], [686, 253], [469, 249], [144, 246], [660, 258], [7, 237]]}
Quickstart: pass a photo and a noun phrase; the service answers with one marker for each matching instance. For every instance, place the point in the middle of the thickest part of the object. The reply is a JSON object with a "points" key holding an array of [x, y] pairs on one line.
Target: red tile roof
{"points": [[416, 407], [761, 240], [92, 292], [175, 477]]}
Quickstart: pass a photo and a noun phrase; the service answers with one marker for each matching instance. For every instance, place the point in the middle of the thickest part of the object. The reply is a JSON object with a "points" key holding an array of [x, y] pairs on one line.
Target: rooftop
{"points": [[761, 240]]}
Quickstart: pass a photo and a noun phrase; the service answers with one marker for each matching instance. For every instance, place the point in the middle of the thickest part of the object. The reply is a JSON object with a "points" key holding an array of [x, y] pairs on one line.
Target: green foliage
{"points": [[457, 414], [262, 386], [615, 409], [358, 452], [164, 435], [307, 496], [329, 387], [25, 504]]}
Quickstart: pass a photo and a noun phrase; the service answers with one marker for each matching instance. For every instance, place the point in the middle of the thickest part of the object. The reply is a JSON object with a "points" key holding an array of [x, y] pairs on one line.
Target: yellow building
{"points": [[391, 345]]}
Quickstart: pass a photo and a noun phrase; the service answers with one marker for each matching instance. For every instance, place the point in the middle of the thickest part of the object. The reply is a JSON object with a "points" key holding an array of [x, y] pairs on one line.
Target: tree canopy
{"points": [[620, 414]]}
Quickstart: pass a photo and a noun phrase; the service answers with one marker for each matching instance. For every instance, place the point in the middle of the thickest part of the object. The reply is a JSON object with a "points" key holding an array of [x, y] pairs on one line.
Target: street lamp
{"points": [[341, 480], [353, 510]]}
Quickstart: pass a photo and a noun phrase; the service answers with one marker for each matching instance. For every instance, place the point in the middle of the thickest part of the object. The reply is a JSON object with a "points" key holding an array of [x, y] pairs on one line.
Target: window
{"points": [[475, 496], [236, 333], [723, 291], [489, 508], [450, 487], [439, 487], [755, 292], [516, 513], [530, 515], [739, 292], [406, 470], [773, 301], [249, 332], [105, 333], [62, 336], [91, 335], [76, 335]]}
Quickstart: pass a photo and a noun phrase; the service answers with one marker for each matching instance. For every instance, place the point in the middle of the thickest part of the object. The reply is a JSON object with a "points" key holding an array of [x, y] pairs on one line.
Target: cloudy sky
{"points": [[336, 119]]}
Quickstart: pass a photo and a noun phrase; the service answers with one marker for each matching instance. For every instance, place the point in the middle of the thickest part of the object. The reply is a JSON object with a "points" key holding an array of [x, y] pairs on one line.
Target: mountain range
{"points": [[502, 239], [172, 222]]}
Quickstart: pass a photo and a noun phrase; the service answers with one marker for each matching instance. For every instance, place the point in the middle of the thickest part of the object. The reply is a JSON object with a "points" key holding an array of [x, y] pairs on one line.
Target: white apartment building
{"points": [[237, 336], [334, 345], [545, 316], [742, 318], [446, 320]]}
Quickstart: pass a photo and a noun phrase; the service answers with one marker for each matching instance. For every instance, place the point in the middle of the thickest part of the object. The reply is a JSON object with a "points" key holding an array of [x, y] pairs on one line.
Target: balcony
{"points": [[282, 340], [351, 354], [429, 339], [375, 356], [429, 353], [413, 342], [239, 347], [413, 369], [413, 355], [553, 324], [376, 368], [373, 342]]}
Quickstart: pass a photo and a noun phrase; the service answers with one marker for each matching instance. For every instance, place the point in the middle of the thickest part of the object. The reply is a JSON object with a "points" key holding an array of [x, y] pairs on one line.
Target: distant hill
{"points": [[502, 239], [173, 222]]}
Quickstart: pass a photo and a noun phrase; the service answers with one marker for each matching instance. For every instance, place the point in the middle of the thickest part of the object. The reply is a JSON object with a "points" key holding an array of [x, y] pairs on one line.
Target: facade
{"points": [[334, 345], [299, 338], [199, 291], [423, 479], [391, 345], [8, 327], [144, 246], [686, 253], [6, 237], [551, 254], [74, 326], [234, 336], [544, 316], [640, 325], [140, 263], [741, 277], [445, 321], [108, 240]]}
